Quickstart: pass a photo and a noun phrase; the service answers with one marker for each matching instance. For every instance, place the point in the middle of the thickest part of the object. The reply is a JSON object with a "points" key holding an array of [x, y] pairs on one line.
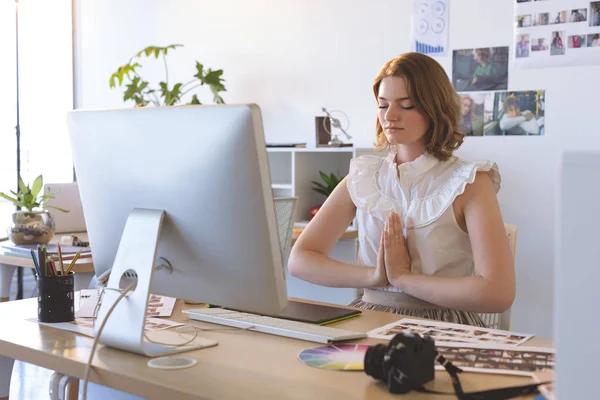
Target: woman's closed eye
{"points": [[407, 105]]}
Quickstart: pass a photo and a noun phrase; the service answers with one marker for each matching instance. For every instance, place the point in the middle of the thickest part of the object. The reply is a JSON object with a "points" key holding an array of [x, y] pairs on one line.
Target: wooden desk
{"points": [[245, 365]]}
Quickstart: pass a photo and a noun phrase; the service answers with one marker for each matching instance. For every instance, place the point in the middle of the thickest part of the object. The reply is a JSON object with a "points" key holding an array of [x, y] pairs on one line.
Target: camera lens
{"points": [[374, 361]]}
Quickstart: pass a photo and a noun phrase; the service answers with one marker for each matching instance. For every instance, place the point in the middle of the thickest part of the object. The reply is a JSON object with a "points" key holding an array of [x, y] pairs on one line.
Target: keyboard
{"points": [[273, 326]]}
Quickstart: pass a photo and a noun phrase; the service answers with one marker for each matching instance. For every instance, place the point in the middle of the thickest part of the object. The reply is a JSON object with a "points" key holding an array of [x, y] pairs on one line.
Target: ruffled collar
{"points": [[415, 168]]}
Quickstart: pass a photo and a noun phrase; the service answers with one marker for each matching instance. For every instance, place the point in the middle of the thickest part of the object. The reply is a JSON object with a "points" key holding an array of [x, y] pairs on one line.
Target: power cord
{"points": [[88, 367], [122, 294]]}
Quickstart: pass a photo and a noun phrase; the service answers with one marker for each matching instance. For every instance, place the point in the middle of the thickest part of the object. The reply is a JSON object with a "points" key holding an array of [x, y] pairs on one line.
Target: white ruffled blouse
{"points": [[421, 192]]}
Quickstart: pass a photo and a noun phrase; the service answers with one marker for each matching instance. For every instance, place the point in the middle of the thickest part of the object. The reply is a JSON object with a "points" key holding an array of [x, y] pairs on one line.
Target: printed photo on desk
{"points": [[445, 332], [498, 360]]}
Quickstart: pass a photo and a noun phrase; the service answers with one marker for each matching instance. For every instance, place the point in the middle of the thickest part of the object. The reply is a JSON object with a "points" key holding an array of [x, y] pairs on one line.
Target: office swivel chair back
{"points": [[285, 208], [503, 320]]}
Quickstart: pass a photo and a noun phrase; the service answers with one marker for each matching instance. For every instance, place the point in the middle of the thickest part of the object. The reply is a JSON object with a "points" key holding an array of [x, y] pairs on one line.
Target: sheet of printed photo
{"points": [[492, 359], [85, 326], [158, 306], [444, 332]]}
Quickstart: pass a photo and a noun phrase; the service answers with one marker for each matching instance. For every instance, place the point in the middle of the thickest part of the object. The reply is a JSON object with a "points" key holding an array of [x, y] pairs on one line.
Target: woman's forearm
{"points": [[469, 293], [322, 270]]}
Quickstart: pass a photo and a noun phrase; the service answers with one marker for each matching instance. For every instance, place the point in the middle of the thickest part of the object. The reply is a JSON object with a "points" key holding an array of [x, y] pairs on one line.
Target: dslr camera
{"points": [[406, 363]]}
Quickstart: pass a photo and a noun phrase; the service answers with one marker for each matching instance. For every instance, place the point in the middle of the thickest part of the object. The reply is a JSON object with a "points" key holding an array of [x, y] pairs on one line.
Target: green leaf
{"points": [[320, 185], [321, 191], [22, 187], [28, 198], [7, 197], [200, 71], [135, 92], [155, 50], [171, 96], [37, 185], [59, 209], [325, 178], [195, 100]]}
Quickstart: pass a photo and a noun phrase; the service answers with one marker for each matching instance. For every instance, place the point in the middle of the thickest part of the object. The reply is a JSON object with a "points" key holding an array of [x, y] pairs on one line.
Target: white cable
{"points": [[88, 367]]}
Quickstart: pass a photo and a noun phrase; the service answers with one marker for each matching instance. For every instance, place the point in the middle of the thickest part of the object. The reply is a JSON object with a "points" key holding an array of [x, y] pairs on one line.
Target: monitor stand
{"points": [[124, 328]]}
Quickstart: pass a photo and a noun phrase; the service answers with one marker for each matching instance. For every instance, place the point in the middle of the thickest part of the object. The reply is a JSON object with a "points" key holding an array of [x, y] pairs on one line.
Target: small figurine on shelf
{"points": [[326, 137], [331, 181]]}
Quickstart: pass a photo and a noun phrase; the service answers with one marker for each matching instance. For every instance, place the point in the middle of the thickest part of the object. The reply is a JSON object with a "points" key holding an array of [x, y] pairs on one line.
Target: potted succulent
{"points": [[33, 224], [330, 182]]}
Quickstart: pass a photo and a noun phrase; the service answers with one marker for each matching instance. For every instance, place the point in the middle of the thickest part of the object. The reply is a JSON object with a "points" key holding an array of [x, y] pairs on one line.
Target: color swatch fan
{"points": [[346, 357]]}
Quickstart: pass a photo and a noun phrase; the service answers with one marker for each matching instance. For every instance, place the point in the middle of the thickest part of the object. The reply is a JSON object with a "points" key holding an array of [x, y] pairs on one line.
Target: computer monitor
{"points": [[576, 275], [188, 187]]}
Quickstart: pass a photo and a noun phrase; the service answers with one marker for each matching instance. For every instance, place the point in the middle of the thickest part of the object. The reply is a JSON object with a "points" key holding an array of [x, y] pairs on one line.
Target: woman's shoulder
{"points": [[456, 173], [361, 177], [449, 179]]}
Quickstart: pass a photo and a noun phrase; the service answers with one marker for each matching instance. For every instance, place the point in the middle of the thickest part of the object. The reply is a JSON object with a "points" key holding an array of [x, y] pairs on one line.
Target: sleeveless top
{"points": [[422, 193]]}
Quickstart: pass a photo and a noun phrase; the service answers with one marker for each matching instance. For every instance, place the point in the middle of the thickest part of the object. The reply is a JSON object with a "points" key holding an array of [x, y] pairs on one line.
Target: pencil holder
{"points": [[56, 298]]}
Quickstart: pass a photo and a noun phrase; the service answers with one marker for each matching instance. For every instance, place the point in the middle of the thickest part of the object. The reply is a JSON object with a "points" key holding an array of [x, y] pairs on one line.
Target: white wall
{"points": [[294, 56]]}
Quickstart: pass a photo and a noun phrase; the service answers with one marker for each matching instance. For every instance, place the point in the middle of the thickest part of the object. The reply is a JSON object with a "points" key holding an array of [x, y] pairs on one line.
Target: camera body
{"points": [[406, 363]]}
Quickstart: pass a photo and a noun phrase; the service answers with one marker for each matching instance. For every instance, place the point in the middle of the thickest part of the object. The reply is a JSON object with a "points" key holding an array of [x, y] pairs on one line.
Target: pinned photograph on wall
{"points": [[559, 17], [472, 107], [576, 41], [566, 31], [480, 69], [578, 15], [541, 19], [523, 21], [502, 113], [593, 40], [517, 114], [557, 46], [595, 13], [522, 46], [539, 44], [429, 27]]}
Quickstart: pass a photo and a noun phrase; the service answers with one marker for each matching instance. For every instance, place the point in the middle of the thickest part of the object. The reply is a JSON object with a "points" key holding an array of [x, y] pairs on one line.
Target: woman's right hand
{"points": [[378, 275]]}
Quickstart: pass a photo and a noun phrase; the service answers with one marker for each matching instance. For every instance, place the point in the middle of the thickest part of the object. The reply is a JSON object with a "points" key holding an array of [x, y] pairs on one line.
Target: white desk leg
{"points": [[82, 280], [6, 367], [63, 387], [6, 275]]}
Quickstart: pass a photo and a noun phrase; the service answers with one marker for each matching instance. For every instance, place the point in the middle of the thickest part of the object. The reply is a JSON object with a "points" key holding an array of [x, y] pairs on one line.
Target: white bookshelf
{"points": [[292, 172], [294, 169]]}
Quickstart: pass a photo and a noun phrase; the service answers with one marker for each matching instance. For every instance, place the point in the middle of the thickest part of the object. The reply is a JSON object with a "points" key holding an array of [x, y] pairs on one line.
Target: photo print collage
{"points": [[553, 33], [480, 76]]}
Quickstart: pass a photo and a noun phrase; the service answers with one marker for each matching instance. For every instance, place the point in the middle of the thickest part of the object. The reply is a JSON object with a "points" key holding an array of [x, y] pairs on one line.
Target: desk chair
{"points": [[285, 211], [503, 320]]}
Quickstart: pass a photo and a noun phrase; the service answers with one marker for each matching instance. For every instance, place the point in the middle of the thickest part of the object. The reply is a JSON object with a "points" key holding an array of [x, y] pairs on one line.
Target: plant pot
{"points": [[31, 227], [313, 211]]}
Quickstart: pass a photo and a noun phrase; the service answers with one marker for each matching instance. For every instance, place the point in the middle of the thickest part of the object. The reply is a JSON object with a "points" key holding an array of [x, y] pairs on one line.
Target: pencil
{"points": [[45, 260], [72, 264], [35, 264], [60, 259], [40, 259]]}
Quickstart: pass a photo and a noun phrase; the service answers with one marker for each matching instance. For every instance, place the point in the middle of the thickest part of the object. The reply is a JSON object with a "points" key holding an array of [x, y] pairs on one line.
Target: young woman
{"points": [[431, 237]]}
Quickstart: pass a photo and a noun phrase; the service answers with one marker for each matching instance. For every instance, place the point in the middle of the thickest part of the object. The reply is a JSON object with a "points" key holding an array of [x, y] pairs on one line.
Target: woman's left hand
{"points": [[397, 259]]}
